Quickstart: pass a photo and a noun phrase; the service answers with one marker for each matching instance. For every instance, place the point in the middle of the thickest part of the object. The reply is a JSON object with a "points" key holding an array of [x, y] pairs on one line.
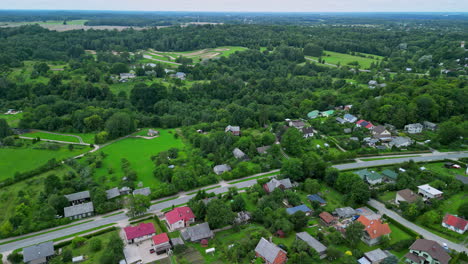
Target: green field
{"points": [[138, 152], [29, 157], [44, 135], [12, 120], [49, 22], [344, 59], [196, 55]]}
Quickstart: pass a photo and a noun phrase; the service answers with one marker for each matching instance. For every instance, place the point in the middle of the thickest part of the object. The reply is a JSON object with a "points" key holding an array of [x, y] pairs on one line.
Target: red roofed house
{"points": [[140, 232], [327, 219], [161, 243], [180, 217], [455, 223], [373, 230], [270, 253]]}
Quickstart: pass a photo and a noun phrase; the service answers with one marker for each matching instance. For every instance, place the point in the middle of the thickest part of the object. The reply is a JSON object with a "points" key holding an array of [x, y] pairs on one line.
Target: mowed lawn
{"points": [[12, 120], [345, 59], [138, 152], [44, 135], [27, 158]]}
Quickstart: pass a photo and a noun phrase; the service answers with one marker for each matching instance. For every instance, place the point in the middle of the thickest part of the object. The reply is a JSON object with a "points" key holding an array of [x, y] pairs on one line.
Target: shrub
{"points": [[95, 244], [78, 242]]}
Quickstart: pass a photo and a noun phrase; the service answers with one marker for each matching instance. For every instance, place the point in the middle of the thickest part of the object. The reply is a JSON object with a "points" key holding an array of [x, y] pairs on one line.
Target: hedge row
{"points": [[97, 233]]}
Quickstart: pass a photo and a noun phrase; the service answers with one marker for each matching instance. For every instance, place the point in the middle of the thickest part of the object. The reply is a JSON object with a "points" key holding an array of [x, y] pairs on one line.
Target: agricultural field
{"points": [[43, 23], [31, 156], [344, 59], [196, 55], [44, 135], [138, 152]]}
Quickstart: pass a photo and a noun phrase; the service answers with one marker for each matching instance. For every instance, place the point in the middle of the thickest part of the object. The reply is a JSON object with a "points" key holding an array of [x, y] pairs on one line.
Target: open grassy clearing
{"points": [[196, 55], [31, 156], [12, 120], [438, 167], [138, 152], [44, 135], [344, 59]]}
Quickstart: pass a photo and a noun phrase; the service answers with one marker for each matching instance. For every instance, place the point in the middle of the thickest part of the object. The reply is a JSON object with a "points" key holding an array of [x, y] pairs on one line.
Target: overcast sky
{"points": [[246, 5]]}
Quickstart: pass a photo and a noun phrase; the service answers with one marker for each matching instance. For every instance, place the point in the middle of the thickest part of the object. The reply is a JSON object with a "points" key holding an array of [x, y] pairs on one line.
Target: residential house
{"points": [[179, 75], [429, 125], [152, 133], [235, 130], [374, 257], [427, 252], [180, 217], [390, 175], [368, 213], [414, 128], [125, 190], [372, 84], [38, 254], [307, 132], [141, 232], [313, 114], [364, 123], [340, 120], [428, 192], [316, 198], [126, 76], [242, 217], [161, 243], [270, 253], [78, 198], [344, 212], [299, 208], [143, 191], [327, 113], [350, 118], [220, 169], [406, 195], [320, 248], [197, 233], [112, 193], [371, 177], [79, 211], [239, 154], [348, 107], [263, 150], [455, 223], [274, 183], [381, 133], [296, 124], [327, 219], [374, 230], [400, 142]]}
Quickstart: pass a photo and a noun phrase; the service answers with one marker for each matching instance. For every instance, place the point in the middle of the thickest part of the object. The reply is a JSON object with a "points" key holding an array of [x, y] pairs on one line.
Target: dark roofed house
{"points": [[274, 183], [317, 198], [327, 219], [38, 254], [406, 195], [429, 125], [350, 118], [79, 197], [297, 124], [299, 208], [112, 193], [345, 212], [219, 169], [313, 243], [340, 120], [455, 223], [307, 132], [239, 154], [381, 133], [263, 150], [197, 233], [375, 256], [270, 253], [143, 191], [463, 179], [401, 142], [427, 251], [79, 211]]}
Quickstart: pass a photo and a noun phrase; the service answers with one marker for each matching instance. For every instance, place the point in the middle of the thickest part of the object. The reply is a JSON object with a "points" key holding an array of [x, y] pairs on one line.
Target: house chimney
{"points": [[270, 239]]}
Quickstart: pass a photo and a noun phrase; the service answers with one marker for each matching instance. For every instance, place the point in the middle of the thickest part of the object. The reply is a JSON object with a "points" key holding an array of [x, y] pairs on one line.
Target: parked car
{"points": [[456, 166], [152, 251]]}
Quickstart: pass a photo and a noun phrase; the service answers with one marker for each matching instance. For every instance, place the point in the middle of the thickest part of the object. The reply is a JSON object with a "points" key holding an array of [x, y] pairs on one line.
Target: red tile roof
{"points": [[455, 221], [161, 238], [360, 121], [140, 230], [180, 213], [369, 125], [375, 228], [326, 217]]}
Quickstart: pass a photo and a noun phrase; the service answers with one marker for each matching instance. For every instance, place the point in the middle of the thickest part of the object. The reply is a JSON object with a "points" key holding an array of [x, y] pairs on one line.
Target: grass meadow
{"points": [[345, 59], [44, 135], [138, 152]]}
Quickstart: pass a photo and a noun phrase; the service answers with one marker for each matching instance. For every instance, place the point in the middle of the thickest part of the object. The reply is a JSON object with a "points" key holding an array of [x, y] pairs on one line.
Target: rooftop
{"points": [[431, 190], [302, 208], [180, 213], [160, 239], [433, 249], [374, 228], [38, 251], [267, 250], [316, 197], [142, 229], [143, 191], [311, 241], [78, 209], [455, 221], [78, 196]]}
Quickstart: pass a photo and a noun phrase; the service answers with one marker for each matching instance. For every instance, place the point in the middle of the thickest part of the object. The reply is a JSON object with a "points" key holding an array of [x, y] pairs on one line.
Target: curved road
{"points": [[160, 204]]}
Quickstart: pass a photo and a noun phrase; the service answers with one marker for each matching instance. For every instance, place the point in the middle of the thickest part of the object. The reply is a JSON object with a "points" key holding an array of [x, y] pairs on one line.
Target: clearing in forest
{"points": [[343, 59], [195, 55]]}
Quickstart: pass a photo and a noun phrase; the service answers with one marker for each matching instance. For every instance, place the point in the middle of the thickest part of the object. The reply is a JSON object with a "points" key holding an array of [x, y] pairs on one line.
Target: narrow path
{"points": [[151, 58], [426, 234], [60, 134]]}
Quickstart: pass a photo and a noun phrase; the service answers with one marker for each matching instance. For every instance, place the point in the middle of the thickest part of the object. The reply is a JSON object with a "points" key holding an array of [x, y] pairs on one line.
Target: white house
{"points": [[455, 223], [180, 217], [414, 128], [428, 192]]}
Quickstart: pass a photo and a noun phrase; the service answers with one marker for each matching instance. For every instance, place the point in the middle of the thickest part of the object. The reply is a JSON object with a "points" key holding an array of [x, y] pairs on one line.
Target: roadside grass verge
{"points": [[165, 200], [82, 232], [256, 177], [399, 157], [207, 189], [107, 216]]}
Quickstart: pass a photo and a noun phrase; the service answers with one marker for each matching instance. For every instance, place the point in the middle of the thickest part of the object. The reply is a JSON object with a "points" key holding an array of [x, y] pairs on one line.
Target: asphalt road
{"points": [[184, 198], [426, 234]]}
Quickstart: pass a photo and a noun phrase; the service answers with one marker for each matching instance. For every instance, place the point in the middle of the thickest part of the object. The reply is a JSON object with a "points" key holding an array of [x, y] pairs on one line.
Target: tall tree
{"points": [[5, 130], [138, 205], [218, 214]]}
